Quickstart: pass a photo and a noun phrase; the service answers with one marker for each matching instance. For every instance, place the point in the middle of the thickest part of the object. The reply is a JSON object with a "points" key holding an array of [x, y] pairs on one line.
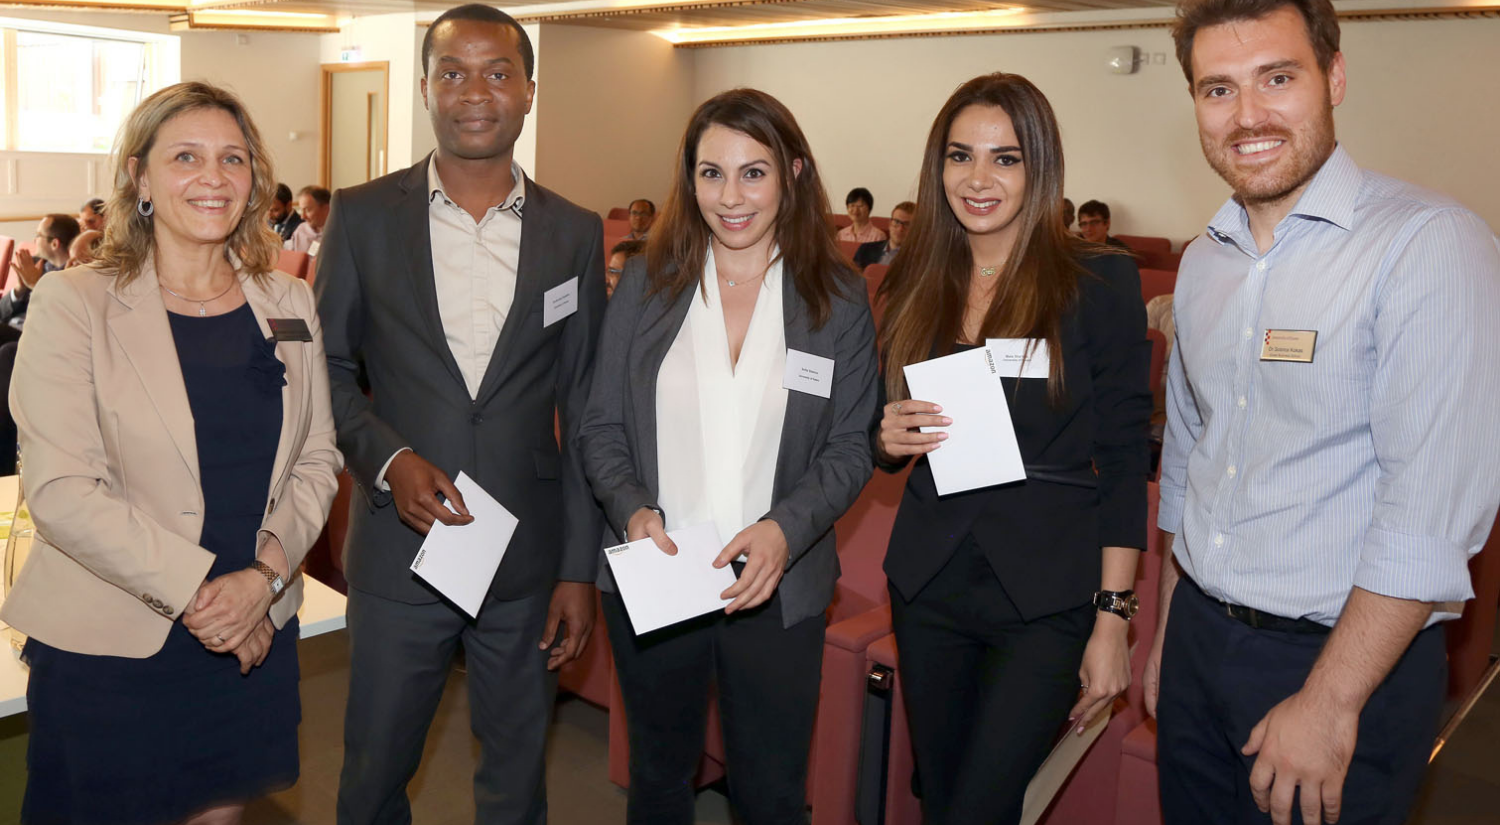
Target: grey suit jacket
{"points": [[824, 459], [378, 303]]}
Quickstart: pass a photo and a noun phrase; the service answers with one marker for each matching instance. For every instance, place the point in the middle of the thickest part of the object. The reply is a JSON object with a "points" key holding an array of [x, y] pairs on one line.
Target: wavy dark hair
{"points": [[926, 289], [678, 244]]}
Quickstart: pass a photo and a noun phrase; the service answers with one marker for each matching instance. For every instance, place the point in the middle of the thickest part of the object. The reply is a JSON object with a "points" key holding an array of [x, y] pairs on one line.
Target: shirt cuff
{"points": [[1420, 568], [380, 477], [1169, 509]]}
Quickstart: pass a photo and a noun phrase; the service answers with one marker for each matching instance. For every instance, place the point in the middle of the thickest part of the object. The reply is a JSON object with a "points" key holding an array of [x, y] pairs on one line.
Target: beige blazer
{"points": [[110, 461]]}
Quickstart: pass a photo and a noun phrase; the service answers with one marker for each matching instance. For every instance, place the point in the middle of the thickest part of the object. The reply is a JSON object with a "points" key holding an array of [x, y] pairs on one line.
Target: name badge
{"points": [[289, 329], [805, 372], [1021, 357], [1289, 345], [560, 301]]}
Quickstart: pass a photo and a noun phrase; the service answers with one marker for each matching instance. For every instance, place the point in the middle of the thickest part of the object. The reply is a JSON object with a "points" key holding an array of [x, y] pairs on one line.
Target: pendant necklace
{"points": [[203, 304], [988, 271]]}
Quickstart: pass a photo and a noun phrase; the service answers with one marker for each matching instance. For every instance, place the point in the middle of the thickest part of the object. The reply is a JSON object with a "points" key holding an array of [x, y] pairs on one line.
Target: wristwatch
{"points": [[1122, 603], [273, 578], [625, 534]]}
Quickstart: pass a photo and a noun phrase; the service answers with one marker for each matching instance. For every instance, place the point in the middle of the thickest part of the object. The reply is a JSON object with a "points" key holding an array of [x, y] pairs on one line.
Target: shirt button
{"points": [[1219, 540], [1249, 333], [1241, 402], [476, 419], [1260, 266], [1231, 471]]}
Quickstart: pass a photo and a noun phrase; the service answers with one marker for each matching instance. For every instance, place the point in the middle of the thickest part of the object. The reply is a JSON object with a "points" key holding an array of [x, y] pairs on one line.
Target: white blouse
{"points": [[719, 426]]}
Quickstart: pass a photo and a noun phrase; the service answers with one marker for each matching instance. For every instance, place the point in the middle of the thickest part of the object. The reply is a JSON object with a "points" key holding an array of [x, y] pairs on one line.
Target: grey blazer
{"points": [[378, 303], [824, 459]]}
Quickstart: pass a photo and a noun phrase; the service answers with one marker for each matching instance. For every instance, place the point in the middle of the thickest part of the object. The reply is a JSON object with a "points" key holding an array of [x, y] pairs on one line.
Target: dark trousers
{"points": [[400, 658], [986, 691], [768, 680], [1219, 678]]}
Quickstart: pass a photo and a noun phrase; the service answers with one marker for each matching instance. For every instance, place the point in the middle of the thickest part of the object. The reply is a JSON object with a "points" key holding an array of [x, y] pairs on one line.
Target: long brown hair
{"points": [[926, 289], [130, 239], [678, 244]]}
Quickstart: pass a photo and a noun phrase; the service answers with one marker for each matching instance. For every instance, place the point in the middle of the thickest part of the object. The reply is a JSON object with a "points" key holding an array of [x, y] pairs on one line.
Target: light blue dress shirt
{"points": [[1378, 464]]}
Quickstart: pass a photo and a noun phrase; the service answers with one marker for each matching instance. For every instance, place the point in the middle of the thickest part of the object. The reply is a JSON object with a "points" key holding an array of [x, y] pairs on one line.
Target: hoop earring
{"points": [[144, 207]]}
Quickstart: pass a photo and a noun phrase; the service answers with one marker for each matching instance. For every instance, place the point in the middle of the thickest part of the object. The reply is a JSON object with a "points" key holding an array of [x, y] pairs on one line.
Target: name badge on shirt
{"points": [[312, 249], [1021, 357], [805, 372], [1289, 345], [289, 329], [560, 301]]}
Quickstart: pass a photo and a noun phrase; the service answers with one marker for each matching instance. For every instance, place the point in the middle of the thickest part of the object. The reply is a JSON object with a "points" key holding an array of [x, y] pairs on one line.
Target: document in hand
{"points": [[661, 590], [981, 449], [461, 560]]}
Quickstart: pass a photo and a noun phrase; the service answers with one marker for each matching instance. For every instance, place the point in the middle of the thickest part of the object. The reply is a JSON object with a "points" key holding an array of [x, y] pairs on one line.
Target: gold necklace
{"points": [[988, 271]]}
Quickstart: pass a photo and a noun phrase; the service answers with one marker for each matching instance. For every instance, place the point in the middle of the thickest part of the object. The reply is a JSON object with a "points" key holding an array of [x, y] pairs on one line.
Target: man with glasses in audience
{"points": [[283, 215], [882, 252], [642, 215], [1093, 224], [54, 234], [1329, 466]]}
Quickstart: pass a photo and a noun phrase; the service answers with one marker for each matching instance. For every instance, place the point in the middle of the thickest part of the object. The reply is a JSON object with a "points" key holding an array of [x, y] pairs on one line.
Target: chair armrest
{"points": [[856, 633]]}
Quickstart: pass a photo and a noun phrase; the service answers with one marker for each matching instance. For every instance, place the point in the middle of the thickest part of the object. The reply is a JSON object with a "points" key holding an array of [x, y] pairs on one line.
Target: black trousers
{"points": [[986, 691], [399, 658], [1220, 677], [768, 680]]}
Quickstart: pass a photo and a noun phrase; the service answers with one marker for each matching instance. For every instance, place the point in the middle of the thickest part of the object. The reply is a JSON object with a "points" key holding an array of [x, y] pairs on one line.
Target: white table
{"points": [[322, 611]]}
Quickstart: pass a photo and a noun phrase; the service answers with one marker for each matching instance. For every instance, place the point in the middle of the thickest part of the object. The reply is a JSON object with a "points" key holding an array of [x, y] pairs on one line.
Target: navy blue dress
{"points": [[146, 741]]}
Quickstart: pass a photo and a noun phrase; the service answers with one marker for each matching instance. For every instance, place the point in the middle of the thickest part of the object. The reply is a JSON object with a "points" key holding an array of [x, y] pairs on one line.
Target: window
{"points": [[68, 88]]}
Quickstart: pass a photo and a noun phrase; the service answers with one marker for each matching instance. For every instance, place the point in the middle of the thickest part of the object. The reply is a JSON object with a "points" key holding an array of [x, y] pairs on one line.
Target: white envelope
{"points": [[460, 560], [1013, 361], [661, 590], [981, 449]]}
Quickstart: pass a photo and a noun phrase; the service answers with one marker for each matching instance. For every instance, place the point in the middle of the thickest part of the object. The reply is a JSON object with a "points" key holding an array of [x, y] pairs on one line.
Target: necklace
{"points": [[203, 304], [742, 281], [988, 271]]}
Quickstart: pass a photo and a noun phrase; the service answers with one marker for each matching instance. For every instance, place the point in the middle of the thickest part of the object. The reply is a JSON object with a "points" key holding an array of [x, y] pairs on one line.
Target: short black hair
{"points": [[319, 194], [283, 193], [96, 204], [648, 203], [1096, 208], [859, 193], [482, 14], [630, 248], [62, 228]]}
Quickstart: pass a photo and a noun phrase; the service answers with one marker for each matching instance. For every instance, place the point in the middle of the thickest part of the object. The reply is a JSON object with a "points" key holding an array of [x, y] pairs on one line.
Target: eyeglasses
{"points": [[1091, 222], [615, 272], [899, 222]]}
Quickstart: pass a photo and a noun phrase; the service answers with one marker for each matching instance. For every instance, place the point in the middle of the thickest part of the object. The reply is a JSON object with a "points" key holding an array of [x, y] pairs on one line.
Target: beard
{"points": [[1308, 148]]}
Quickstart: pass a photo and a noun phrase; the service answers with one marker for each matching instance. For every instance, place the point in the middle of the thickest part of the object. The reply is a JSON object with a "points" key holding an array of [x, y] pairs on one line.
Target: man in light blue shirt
{"points": [[1330, 460]]}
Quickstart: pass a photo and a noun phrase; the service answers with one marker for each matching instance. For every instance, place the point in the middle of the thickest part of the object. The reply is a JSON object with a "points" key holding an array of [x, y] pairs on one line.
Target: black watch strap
{"points": [[1122, 603]]}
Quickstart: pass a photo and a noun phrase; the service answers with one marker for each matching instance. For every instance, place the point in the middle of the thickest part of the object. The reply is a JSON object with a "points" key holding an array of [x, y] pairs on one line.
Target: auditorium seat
{"points": [[616, 228], [882, 223], [841, 220], [618, 213], [1156, 282], [296, 264], [874, 277], [848, 248]]}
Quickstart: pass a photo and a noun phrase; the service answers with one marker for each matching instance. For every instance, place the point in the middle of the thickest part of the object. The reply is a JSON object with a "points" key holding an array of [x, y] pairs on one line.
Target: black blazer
{"points": [[378, 303], [869, 253], [1043, 535], [824, 457]]}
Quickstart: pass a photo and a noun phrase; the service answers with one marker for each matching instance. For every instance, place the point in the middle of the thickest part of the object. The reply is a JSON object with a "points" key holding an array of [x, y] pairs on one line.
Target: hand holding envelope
{"points": [[982, 450], [660, 589]]}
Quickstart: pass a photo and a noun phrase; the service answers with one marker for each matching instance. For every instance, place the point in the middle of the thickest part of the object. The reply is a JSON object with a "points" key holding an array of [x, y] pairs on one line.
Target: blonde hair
{"points": [[129, 237]]}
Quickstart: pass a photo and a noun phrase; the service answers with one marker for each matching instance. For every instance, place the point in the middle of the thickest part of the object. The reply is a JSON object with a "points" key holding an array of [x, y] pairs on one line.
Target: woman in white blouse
{"points": [[690, 422]]}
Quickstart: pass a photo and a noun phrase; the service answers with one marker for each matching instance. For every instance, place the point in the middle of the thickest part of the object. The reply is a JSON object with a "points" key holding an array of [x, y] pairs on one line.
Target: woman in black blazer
{"points": [[1011, 604], [690, 421]]}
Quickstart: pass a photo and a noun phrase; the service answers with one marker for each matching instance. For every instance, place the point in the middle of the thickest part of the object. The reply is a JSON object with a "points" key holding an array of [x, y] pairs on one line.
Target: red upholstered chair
{"points": [[618, 213], [882, 223], [1171, 261], [848, 248], [840, 221], [1471, 636], [874, 277], [296, 264], [7, 248], [1156, 282], [616, 228], [1152, 250]]}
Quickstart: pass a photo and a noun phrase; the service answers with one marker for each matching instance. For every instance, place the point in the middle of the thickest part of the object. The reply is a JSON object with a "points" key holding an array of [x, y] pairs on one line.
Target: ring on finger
{"points": [[898, 408]]}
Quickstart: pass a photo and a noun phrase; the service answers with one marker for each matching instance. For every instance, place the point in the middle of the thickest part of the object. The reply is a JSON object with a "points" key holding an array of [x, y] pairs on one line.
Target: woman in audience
{"points": [[689, 422], [1011, 604], [179, 460]]}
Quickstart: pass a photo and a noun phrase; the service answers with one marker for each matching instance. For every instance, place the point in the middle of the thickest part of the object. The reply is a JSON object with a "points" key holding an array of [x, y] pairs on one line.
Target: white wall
{"points": [[274, 72], [616, 105], [1421, 106]]}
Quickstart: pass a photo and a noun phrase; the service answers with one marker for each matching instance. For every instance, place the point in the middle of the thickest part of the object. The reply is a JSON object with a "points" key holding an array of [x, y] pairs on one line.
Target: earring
{"points": [[144, 207]]}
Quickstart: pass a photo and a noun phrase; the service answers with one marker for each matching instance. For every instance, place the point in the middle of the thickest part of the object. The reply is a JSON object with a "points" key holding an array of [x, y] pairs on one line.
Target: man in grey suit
{"points": [[471, 298]]}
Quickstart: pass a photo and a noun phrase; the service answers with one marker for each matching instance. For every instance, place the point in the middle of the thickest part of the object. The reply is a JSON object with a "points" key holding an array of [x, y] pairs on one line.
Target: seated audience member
{"points": [[642, 214], [858, 204], [622, 252], [283, 216], [1093, 224], [54, 234], [312, 202], [881, 252], [1068, 214], [84, 247], [91, 215]]}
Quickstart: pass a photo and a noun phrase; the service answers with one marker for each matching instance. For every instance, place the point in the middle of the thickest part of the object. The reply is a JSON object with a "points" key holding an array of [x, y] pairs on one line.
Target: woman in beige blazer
{"points": [[178, 456]]}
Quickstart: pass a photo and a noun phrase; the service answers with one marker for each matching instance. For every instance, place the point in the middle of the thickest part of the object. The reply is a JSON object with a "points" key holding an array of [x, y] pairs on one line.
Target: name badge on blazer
{"points": [[805, 372], [1289, 345], [289, 329]]}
